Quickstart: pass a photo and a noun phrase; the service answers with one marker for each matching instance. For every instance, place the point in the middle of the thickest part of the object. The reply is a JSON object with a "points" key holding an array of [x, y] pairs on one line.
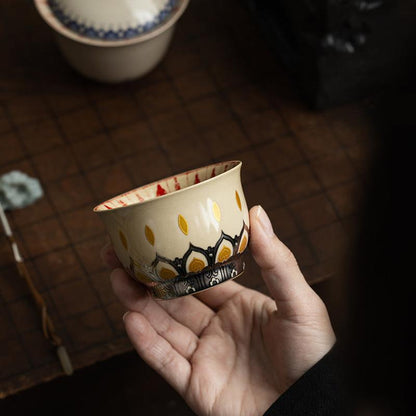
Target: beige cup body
{"points": [[180, 234]]}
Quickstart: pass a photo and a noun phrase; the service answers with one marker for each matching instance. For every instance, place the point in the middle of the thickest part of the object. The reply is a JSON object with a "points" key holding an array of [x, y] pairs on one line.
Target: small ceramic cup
{"points": [[96, 39], [181, 234]]}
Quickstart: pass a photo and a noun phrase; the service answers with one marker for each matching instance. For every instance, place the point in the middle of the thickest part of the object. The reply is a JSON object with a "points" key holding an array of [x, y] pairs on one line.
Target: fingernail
{"points": [[264, 221], [125, 314]]}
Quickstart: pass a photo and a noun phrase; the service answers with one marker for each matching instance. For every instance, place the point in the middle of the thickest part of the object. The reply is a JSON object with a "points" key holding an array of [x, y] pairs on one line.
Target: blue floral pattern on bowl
{"points": [[113, 34]]}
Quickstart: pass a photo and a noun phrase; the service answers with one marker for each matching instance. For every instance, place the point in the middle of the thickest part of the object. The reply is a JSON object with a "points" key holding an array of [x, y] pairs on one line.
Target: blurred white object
{"points": [[18, 190], [112, 40]]}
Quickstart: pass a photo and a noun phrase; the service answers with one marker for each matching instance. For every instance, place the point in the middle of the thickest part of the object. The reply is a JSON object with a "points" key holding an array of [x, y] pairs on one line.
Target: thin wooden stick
{"points": [[48, 327]]}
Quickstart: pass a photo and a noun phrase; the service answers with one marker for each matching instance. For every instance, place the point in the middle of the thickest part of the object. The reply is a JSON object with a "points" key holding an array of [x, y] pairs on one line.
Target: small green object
{"points": [[18, 190]]}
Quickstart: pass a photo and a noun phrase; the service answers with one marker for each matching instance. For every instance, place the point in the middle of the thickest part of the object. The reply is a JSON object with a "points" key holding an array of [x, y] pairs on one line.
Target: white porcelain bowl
{"points": [[109, 50]]}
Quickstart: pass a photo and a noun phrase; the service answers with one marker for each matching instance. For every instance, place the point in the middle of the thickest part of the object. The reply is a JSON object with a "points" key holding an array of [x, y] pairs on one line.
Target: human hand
{"points": [[231, 350]]}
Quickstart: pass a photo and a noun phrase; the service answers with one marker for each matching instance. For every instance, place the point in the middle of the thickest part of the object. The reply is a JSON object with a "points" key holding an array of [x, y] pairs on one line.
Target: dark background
{"points": [[232, 86]]}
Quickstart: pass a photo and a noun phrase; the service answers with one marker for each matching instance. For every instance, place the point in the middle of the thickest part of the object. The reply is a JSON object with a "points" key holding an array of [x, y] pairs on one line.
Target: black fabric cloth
{"points": [[319, 392]]}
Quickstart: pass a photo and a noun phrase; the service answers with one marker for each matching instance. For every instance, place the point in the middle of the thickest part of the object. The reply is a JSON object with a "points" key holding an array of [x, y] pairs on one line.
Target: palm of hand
{"points": [[248, 355], [231, 372]]}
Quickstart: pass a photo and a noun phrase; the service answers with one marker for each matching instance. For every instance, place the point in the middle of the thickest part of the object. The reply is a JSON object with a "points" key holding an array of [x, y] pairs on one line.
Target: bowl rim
{"points": [[237, 165], [46, 13]]}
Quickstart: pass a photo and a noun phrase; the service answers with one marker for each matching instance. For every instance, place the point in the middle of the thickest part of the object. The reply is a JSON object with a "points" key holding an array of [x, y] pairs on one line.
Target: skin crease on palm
{"points": [[231, 350]]}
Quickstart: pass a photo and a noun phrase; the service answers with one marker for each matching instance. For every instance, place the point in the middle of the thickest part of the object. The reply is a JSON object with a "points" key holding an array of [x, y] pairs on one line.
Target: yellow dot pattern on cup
{"points": [[142, 277], [150, 237], [123, 239], [225, 254], [166, 274], [237, 198], [196, 265], [216, 211], [243, 244], [183, 225]]}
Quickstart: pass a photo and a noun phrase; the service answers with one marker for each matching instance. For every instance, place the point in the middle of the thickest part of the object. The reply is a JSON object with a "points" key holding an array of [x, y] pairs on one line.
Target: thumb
{"points": [[279, 268]]}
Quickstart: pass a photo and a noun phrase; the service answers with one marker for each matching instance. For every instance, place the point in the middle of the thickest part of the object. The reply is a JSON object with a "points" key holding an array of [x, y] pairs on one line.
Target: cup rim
{"points": [[45, 11], [101, 209]]}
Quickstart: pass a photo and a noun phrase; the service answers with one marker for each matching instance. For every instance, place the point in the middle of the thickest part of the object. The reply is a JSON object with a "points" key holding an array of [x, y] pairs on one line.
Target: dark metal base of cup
{"points": [[200, 281]]}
